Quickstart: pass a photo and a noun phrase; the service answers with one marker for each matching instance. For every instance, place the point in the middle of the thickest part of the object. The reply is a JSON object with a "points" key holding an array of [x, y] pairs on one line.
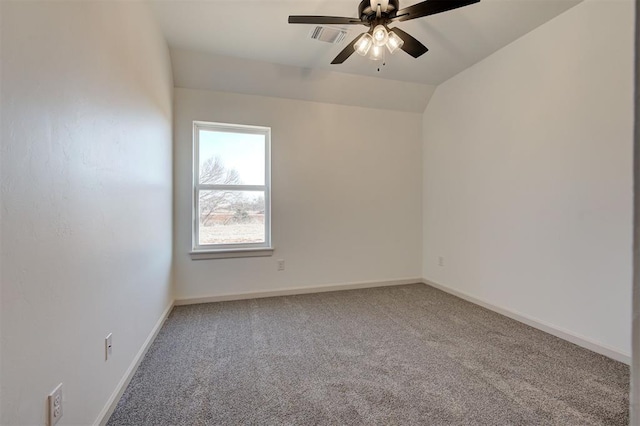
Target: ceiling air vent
{"points": [[328, 34]]}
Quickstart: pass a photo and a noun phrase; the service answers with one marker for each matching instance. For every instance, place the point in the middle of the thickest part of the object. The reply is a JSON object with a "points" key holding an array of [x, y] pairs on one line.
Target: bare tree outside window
{"points": [[214, 172], [229, 215]]}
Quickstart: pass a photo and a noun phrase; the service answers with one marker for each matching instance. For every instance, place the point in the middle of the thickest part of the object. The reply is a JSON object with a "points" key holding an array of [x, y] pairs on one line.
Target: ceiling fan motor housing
{"points": [[366, 13]]}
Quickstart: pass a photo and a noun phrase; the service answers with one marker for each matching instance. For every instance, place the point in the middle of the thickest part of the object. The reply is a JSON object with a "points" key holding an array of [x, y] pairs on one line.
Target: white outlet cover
{"points": [[55, 406], [108, 347]]}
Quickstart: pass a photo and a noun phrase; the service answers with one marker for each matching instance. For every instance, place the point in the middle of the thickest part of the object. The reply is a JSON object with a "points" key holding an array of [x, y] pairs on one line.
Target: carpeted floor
{"points": [[404, 355]]}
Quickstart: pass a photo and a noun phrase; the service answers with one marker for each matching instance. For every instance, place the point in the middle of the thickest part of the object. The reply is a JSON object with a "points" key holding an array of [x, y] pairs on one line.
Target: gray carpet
{"points": [[396, 355]]}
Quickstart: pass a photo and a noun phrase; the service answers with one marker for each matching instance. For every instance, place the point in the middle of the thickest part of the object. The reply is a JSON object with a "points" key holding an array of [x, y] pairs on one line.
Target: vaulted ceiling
{"points": [[258, 30]]}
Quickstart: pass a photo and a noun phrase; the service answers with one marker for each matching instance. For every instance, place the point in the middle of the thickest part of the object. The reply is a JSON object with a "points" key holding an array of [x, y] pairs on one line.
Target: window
{"points": [[231, 188]]}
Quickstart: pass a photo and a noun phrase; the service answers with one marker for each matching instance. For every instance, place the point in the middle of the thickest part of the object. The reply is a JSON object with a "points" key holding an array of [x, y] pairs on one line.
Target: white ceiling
{"points": [[205, 71], [258, 30]]}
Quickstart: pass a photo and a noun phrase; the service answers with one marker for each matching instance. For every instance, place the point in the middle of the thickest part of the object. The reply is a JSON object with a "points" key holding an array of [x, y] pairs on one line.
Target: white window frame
{"points": [[212, 251]]}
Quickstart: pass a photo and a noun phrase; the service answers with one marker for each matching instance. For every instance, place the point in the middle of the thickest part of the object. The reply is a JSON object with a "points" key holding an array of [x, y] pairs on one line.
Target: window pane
{"points": [[231, 217], [228, 158]]}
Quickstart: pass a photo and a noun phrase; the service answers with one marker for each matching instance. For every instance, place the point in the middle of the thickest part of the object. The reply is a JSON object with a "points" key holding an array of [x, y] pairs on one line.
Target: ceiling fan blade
{"points": [[412, 46], [346, 52], [430, 7], [324, 20]]}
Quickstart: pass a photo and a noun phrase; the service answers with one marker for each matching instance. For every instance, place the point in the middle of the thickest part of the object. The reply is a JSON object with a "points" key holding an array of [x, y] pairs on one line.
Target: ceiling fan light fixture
{"points": [[380, 35], [376, 14], [363, 45], [394, 42], [377, 53]]}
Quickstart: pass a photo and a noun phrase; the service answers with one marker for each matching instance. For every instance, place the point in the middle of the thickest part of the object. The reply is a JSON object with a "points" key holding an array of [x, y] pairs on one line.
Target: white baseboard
{"points": [[111, 404], [540, 325], [295, 290]]}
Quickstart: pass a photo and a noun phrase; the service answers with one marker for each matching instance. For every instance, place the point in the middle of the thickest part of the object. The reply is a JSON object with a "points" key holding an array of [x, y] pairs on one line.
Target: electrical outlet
{"points": [[108, 347], [280, 265], [440, 261], [55, 405]]}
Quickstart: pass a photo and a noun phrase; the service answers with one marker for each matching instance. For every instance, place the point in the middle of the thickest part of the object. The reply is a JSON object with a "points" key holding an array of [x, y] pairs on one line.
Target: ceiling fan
{"points": [[377, 15]]}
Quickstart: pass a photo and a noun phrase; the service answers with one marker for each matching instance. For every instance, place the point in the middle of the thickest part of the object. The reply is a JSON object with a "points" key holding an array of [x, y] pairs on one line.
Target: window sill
{"points": [[231, 253]]}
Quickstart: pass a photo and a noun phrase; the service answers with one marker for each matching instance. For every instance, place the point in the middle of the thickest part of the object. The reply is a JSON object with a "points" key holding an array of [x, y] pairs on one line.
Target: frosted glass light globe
{"points": [[394, 42], [363, 45], [380, 35]]}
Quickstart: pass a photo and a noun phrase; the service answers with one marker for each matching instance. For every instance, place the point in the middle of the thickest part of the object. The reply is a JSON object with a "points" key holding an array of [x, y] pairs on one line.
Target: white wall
{"points": [[86, 200], [346, 194], [528, 175], [634, 398]]}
